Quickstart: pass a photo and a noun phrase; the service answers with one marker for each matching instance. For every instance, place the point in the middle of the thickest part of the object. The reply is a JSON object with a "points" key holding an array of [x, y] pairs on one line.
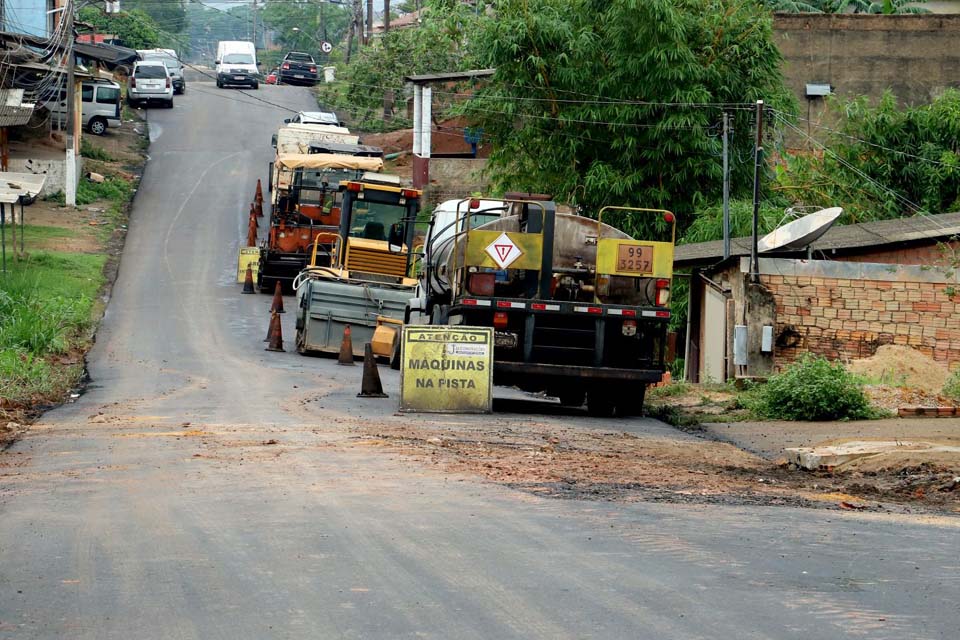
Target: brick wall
{"points": [[849, 318]]}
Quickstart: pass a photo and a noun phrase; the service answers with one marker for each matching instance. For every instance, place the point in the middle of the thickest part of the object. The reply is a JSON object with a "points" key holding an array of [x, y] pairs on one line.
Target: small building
{"points": [[856, 288]]}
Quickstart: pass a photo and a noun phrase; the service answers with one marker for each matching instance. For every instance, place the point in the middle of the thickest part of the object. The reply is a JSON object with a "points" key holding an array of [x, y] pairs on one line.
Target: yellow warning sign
{"points": [[446, 369], [248, 256]]}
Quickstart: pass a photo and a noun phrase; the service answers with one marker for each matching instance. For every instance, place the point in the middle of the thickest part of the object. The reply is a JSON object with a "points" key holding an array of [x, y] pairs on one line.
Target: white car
{"points": [[150, 81], [314, 117]]}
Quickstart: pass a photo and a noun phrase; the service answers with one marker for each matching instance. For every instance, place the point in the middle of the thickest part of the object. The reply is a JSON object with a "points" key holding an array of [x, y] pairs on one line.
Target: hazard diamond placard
{"points": [[503, 251]]}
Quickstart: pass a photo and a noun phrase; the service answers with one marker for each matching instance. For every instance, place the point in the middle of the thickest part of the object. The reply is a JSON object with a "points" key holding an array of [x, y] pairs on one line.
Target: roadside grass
{"points": [[49, 299], [46, 311]]}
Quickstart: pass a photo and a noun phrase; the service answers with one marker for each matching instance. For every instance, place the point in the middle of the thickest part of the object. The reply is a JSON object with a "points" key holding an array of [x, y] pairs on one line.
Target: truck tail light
{"points": [[409, 193], [168, 83], [500, 319], [629, 327], [286, 65], [313, 69], [356, 187], [663, 293]]}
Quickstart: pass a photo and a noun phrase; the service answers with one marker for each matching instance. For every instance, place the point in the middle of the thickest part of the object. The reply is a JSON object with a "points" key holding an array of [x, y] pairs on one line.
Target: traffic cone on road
{"points": [[277, 306], [248, 281], [258, 208], [276, 334], [346, 348], [253, 213], [370, 386], [252, 232], [258, 197]]}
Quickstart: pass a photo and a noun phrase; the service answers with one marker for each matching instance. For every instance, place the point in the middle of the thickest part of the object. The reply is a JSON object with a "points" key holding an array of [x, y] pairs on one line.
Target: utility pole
{"points": [[254, 21], [386, 17], [758, 160], [726, 186], [70, 168]]}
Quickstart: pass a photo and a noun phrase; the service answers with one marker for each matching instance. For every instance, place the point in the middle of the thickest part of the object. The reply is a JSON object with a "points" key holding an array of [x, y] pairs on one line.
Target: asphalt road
{"points": [[120, 520]]}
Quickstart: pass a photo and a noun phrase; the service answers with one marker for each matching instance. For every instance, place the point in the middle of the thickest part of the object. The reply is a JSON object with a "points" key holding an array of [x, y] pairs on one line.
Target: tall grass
{"points": [[46, 304]]}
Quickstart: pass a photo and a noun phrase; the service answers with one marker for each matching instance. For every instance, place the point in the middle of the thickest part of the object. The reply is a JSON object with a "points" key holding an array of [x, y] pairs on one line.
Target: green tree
{"points": [[135, 29], [845, 6], [438, 44], [616, 101], [302, 26], [883, 161], [170, 16]]}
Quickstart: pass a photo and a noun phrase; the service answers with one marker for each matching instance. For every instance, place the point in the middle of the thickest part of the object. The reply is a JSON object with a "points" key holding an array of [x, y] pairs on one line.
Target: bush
{"points": [[812, 388], [951, 388]]}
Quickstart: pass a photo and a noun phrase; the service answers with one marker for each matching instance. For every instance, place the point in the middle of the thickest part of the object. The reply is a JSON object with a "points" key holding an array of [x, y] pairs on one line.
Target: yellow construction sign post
{"points": [[446, 369], [248, 256]]}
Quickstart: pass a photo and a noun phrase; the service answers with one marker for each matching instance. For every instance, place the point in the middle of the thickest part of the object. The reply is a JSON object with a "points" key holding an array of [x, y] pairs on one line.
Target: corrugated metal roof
{"points": [[838, 238]]}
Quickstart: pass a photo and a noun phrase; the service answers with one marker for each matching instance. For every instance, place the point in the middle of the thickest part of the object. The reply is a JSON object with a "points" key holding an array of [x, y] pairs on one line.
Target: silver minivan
{"points": [[100, 100]]}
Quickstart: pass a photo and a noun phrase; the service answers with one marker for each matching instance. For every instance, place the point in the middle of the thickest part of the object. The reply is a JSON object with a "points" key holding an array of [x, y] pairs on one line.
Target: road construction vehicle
{"points": [[367, 283], [305, 209], [579, 308]]}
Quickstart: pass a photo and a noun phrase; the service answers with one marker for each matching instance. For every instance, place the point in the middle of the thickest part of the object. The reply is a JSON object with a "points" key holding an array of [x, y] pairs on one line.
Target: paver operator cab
{"points": [[579, 308], [368, 281]]}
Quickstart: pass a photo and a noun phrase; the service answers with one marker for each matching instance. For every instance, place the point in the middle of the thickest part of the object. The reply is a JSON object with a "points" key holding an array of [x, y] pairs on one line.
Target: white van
{"points": [[101, 106], [237, 64]]}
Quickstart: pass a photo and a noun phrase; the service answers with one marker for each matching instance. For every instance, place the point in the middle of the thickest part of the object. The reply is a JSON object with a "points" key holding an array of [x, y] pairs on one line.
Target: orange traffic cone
{"points": [[276, 334], [346, 348], [252, 232], [258, 207], [248, 281], [277, 306], [253, 212], [258, 197], [370, 386]]}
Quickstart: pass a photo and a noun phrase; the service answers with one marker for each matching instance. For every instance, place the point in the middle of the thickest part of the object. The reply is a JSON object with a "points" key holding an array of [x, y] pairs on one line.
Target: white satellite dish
{"points": [[800, 233]]}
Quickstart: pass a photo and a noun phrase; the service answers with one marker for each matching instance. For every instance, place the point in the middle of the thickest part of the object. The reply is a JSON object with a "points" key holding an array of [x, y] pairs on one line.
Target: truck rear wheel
{"points": [[572, 397], [600, 403], [630, 402]]}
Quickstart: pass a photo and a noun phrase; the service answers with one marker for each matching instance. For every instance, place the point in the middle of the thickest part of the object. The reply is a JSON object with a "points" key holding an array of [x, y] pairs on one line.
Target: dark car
{"points": [[298, 68]]}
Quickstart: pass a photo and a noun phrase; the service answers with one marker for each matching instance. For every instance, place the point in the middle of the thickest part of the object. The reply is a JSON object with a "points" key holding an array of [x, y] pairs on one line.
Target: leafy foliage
{"points": [[615, 102], [169, 16], [812, 388], [135, 29], [884, 162], [439, 44], [888, 7], [303, 26], [952, 387]]}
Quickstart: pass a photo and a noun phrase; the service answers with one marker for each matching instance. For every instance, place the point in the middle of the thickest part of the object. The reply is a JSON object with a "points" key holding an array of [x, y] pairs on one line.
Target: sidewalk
{"points": [[769, 439]]}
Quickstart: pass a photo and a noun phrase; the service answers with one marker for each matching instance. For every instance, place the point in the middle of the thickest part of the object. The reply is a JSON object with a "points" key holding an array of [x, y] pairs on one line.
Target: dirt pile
{"points": [[900, 366]]}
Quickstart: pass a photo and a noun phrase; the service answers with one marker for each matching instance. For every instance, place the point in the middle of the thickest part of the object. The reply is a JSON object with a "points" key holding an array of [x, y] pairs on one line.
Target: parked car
{"points": [[150, 81], [100, 104], [298, 68], [315, 117], [237, 64], [272, 76], [169, 58]]}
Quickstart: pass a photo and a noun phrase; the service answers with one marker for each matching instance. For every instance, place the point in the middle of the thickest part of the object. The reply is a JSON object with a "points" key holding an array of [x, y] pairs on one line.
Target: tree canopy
{"points": [[620, 101], [135, 29]]}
